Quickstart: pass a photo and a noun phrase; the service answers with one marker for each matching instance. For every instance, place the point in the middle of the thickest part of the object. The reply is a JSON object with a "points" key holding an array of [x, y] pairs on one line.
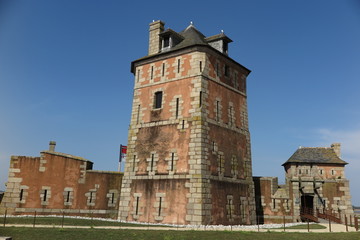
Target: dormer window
{"points": [[225, 47], [166, 42], [169, 39]]}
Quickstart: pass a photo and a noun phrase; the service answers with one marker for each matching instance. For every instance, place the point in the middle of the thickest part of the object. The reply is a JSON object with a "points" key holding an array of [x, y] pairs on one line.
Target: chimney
{"points": [[337, 149], [156, 27], [52, 145]]}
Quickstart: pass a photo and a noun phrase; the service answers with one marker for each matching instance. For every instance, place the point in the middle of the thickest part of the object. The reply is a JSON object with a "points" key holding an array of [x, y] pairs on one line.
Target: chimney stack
{"points": [[337, 149], [52, 145], [156, 27]]}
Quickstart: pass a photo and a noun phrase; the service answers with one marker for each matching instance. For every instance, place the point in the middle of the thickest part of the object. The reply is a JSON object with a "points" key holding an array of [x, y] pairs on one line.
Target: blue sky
{"points": [[65, 74]]}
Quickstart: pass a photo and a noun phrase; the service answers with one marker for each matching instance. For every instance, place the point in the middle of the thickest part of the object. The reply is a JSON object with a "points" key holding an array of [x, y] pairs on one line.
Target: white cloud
{"points": [[349, 139]]}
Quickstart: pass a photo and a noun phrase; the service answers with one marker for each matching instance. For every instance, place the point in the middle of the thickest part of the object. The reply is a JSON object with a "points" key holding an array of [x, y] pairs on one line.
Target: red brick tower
{"points": [[189, 159]]}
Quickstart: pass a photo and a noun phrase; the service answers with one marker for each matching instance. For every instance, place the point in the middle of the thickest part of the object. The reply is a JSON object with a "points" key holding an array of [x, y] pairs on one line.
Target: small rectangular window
{"points": [[158, 99], [227, 71]]}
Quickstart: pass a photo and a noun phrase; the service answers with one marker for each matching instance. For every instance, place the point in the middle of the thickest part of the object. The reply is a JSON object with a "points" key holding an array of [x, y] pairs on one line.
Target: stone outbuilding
{"points": [[315, 183]]}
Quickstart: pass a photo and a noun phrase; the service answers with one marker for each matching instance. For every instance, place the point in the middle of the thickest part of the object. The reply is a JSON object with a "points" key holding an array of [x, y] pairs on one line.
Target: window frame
{"points": [[158, 99]]}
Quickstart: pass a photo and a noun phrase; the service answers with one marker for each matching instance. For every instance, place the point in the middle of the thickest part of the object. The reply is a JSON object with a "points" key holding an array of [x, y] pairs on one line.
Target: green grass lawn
{"points": [[304, 226], [19, 233]]}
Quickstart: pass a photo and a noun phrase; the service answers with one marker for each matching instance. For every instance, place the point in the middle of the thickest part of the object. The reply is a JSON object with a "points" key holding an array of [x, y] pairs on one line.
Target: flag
{"points": [[123, 150]]}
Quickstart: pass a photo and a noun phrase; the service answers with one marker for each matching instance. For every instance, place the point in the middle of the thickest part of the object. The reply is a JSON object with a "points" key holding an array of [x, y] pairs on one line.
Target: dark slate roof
{"points": [[317, 155], [190, 36], [217, 37]]}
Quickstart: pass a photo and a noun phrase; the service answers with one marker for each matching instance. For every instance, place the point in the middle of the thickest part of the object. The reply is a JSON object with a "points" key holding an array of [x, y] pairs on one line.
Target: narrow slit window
{"points": [[217, 111], [21, 194], [177, 108], [45, 195], [163, 69], [183, 124], [213, 146], [217, 69], [152, 72], [68, 196], [138, 76], [138, 114], [274, 203], [178, 66], [160, 200], [134, 159], [152, 163], [91, 197], [230, 208], [200, 98], [158, 100], [172, 161], [231, 116], [112, 197], [137, 206], [200, 66]]}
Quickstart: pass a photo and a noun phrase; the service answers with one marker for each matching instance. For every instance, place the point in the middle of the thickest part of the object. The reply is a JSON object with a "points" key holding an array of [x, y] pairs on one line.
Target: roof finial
{"points": [[191, 23], [222, 31], [153, 20]]}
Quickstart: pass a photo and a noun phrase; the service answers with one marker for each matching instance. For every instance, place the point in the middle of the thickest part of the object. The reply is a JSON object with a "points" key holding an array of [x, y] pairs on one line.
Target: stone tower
{"points": [[188, 159]]}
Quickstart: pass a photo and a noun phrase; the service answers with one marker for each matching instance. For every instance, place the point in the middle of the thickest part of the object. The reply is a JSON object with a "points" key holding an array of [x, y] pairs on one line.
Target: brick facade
{"points": [[56, 182]]}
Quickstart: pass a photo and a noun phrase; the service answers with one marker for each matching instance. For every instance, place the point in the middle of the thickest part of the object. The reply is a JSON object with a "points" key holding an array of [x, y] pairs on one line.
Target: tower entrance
{"points": [[307, 204]]}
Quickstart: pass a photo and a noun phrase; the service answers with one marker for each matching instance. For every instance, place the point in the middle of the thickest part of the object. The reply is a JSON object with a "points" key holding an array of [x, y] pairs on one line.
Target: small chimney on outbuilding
{"points": [[337, 149], [52, 145]]}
